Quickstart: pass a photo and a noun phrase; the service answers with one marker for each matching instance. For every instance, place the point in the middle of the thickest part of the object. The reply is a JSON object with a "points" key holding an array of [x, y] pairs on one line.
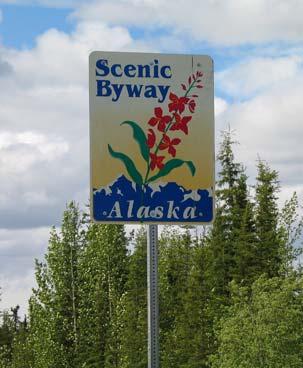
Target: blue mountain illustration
{"points": [[126, 201]]}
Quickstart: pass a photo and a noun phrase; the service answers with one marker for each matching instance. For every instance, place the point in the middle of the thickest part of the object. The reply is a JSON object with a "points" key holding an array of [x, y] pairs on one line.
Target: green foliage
{"points": [[15, 351], [186, 327], [231, 242], [263, 328], [133, 309], [174, 268], [104, 269], [54, 307], [22, 354], [269, 259], [7, 331], [5, 359], [228, 298], [290, 230]]}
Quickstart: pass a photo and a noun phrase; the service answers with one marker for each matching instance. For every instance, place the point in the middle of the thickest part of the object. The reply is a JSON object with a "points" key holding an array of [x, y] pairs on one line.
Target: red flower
{"points": [[156, 161], [178, 103], [167, 143], [192, 106], [151, 138], [159, 119], [181, 123]]}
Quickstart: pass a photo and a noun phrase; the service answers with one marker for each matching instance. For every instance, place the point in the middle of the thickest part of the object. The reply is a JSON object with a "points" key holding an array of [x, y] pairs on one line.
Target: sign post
{"points": [[152, 295], [151, 148]]}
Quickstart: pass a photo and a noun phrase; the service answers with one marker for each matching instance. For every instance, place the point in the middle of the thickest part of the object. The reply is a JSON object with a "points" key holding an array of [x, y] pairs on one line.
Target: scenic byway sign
{"points": [[151, 138]]}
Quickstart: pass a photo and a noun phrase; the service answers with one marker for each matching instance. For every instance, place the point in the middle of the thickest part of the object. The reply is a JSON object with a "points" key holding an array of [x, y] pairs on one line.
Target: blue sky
{"points": [[21, 24], [257, 47]]}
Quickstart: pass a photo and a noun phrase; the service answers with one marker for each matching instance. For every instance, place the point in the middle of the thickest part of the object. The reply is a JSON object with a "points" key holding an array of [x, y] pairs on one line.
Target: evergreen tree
{"points": [[7, 332], [174, 269], [193, 330], [232, 202], [245, 239], [270, 248]]}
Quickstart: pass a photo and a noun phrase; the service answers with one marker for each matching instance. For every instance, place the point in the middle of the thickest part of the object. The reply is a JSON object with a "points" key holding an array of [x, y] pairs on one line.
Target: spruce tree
{"points": [[245, 239], [233, 219], [193, 327], [174, 269], [7, 333], [269, 258]]}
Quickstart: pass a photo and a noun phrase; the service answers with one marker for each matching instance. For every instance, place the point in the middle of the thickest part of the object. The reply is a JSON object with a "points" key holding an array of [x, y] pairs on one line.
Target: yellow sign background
{"points": [[106, 117]]}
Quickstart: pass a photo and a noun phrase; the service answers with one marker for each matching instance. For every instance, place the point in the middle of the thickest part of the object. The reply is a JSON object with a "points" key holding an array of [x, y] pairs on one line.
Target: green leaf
{"points": [[171, 165], [129, 165], [140, 137]]}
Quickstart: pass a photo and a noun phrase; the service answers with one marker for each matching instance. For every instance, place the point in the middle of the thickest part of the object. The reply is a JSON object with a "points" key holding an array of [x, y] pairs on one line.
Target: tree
{"points": [[232, 222], [14, 349], [133, 315], [193, 327], [290, 230], [270, 247], [263, 328], [174, 268], [245, 239], [22, 355], [6, 339], [231, 242], [104, 269], [54, 306]]}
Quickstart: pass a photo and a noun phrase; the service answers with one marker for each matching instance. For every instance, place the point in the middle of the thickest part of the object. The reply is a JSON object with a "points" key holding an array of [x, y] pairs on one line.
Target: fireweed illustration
{"points": [[159, 139]]}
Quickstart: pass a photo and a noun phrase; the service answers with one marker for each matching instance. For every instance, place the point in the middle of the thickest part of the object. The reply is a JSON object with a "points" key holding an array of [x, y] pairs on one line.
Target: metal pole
{"points": [[152, 296]]}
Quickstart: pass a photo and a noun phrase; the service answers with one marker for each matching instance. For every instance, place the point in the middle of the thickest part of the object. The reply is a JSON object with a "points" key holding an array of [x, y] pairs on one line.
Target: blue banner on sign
{"points": [[126, 201]]}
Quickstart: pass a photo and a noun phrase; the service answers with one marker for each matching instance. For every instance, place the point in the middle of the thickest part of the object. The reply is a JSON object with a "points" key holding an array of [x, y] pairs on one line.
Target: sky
{"points": [[257, 47]]}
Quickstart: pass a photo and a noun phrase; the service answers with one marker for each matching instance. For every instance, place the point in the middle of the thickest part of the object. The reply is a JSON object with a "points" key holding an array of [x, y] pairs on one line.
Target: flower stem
{"points": [[166, 129]]}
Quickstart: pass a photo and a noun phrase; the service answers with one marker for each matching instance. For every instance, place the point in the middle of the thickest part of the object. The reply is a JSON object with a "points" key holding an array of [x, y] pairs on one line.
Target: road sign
{"points": [[151, 138]]}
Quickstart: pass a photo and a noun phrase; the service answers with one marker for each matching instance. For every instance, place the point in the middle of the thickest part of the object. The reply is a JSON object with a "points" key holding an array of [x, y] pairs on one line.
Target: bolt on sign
{"points": [[151, 138]]}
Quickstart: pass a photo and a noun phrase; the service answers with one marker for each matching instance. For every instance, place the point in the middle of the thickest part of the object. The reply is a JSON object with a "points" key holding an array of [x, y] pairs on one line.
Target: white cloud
{"points": [[269, 125], [18, 249], [60, 59], [220, 106], [16, 292], [28, 163], [44, 160], [227, 22], [20, 152], [252, 76]]}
